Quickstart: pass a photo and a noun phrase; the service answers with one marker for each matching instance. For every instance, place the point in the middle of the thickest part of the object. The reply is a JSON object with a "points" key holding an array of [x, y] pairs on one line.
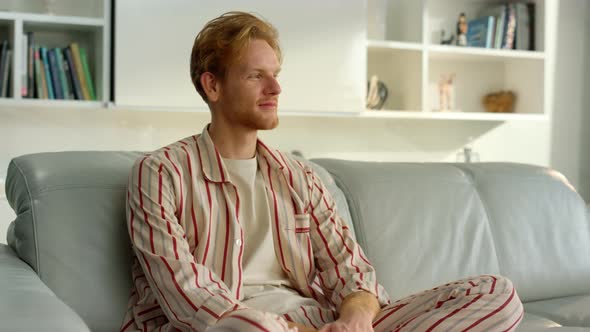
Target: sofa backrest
{"points": [[424, 224], [71, 228]]}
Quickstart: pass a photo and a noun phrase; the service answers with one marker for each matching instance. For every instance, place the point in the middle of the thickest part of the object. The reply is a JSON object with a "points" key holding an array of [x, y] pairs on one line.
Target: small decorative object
{"points": [[462, 30], [499, 102], [376, 93], [444, 41], [467, 155], [445, 92]]}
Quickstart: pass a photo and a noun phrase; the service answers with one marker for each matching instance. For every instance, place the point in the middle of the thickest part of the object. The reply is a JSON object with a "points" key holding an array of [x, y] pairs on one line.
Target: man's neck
{"points": [[233, 143]]}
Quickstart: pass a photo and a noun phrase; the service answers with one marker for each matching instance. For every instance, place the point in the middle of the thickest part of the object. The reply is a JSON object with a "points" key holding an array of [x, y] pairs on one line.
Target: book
{"points": [[531, 10], [480, 32], [42, 85], [59, 60], [523, 34], [39, 92], [48, 82], [3, 51], [6, 64], [31, 86], [87, 75], [79, 70], [510, 27], [499, 13], [68, 76], [74, 75], [24, 66], [55, 81]]}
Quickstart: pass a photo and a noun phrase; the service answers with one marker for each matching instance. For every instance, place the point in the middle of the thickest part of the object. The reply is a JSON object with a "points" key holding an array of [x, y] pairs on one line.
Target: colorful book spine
{"points": [[510, 27], [74, 74], [47, 82], [87, 75], [55, 81], [500, 23], [480, 32], [31, 64], [79, 70], [40, 75], [62, 74], [68, 75], [24, 66]]}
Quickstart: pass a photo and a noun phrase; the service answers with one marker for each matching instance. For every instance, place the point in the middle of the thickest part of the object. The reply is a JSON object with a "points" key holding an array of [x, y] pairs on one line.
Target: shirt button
{"points": [[238, 242]]}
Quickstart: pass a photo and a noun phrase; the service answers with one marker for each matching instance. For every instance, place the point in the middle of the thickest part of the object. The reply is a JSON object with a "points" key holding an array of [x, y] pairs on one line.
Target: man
{"points": [[232, 235]]}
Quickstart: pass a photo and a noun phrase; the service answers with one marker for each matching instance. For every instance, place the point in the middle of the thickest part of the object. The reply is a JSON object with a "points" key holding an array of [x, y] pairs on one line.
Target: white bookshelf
{"points": [[57, 24], [404, 50]]}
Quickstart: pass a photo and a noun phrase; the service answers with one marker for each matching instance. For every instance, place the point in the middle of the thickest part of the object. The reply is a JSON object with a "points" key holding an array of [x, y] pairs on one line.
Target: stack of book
{"points": [[504, 26], [56, 73], [5, 67]]}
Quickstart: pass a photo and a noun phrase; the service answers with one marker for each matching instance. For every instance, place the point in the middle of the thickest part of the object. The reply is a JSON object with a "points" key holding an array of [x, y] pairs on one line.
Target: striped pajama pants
{"points": [[483, 303]]}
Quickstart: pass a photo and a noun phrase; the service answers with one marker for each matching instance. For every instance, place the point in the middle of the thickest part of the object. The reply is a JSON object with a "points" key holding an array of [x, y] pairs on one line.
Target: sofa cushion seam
{"points": [[468, 174], [68, 187], [33, 216]]}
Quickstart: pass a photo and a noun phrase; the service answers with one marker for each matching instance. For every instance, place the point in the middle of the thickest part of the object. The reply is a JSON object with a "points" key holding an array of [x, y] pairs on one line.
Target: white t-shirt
{"points": [[259, 262], [266, 286]]}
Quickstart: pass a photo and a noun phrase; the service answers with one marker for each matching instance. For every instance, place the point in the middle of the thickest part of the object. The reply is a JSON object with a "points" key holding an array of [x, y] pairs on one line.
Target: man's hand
{"points": [[354, 323], [356, 314], [301, 328]]}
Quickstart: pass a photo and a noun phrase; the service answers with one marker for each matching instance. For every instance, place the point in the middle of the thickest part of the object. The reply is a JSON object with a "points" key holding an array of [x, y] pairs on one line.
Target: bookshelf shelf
{"points": [[485, 54], [394, 45], [53, 19], [468, 116], [45, 103]]}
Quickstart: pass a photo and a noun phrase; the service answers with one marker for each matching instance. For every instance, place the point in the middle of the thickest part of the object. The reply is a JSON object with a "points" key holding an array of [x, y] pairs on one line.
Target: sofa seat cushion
{"points": [[27, 304], [532, 323], [567, 311]]}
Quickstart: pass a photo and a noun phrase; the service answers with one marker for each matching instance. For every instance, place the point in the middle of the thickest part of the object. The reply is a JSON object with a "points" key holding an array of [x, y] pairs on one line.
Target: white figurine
{"points": [[445, 89]]}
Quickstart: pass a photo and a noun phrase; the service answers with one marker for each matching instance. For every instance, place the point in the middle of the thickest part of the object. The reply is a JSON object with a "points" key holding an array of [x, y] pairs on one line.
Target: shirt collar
{"points": [[212, 164]]}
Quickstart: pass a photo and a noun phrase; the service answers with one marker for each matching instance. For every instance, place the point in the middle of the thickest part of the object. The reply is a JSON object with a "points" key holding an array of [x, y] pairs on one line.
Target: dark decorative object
{"points": [[447, 41], [462, 30], [376, 93]]}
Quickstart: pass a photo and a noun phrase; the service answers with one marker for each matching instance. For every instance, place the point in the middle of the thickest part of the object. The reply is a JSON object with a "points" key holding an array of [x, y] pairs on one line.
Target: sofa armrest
{"points": [[27, 304]]}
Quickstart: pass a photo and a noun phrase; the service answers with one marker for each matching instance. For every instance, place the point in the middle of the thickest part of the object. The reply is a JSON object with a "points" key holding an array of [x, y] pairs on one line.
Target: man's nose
{"points": [[273, 88]]}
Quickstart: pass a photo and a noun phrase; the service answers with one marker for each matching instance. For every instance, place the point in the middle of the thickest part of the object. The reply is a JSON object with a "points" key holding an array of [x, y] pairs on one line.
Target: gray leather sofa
{"points": [[67, 264]]}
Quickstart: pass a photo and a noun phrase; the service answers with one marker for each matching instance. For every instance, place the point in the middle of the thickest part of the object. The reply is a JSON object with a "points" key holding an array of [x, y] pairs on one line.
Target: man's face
{"points": [[250, 91]]}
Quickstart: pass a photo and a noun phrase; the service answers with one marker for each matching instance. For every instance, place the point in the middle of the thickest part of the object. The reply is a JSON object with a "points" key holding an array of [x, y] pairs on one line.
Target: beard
{"points": [[253, 118]]}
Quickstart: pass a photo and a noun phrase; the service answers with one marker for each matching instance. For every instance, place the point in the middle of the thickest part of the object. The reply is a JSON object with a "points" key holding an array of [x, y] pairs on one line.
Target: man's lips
{"points": [[268, 104]]}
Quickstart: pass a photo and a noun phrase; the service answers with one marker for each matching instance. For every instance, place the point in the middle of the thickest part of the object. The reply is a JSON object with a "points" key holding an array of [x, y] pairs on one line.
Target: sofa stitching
{"points": [[33, 216], [470, 177], [354, 209], [78, 186]]}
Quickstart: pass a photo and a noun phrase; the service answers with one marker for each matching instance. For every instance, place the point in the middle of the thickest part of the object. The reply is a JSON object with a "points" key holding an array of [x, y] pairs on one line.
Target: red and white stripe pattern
{"points": [[182, 219], [483, 303]]}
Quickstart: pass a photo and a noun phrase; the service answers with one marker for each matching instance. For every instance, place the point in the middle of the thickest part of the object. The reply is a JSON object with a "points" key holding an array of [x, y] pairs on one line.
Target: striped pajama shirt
{"points": [[187, 239]]}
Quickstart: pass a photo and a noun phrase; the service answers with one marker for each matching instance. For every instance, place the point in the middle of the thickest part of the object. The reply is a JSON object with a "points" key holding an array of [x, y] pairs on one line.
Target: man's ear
{"points": [[211, 85]]}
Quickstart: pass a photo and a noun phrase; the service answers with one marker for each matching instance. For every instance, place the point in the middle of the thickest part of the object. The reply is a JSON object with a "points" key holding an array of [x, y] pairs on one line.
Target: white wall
{"points": [[570, 100]]}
